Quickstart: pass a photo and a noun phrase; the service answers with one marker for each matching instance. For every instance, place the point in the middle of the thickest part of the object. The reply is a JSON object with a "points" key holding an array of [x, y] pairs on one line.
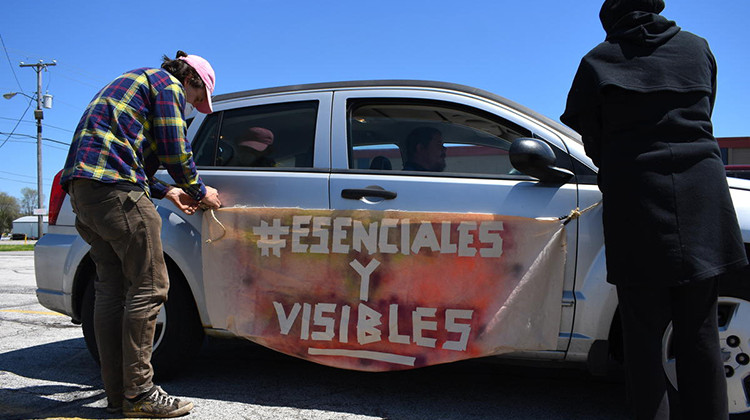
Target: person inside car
{"points": [[425, 150], [254, 149]]}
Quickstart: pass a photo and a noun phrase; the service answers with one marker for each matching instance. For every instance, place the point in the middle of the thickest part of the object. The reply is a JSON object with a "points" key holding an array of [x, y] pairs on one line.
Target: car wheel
{"points": [[178, 335], [734, 336]]}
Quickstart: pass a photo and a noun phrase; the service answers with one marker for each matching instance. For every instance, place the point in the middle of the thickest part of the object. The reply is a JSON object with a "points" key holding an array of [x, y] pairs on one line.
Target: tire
{"points": [[179, 333], [734, 336]]}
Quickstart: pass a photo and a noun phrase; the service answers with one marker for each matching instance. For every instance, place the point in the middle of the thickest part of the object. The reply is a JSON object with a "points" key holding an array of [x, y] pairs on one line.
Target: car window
{"points": [[412, 135], [275, 135], [204, 144]]}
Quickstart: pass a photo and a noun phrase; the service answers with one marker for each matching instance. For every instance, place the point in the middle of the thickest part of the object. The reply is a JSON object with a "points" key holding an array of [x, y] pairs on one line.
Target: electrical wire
{"points": [[49, 79], [79, 81], [34, 137], [45, 124], [11, 64], [16, 126], [93, 77], [15, 180], [15, 174], [49, 146], [46, 179]]}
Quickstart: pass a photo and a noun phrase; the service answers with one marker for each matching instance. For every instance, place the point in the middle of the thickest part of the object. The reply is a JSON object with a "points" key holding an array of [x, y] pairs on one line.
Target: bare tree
{"points": [[9, 211], [28, 201]]}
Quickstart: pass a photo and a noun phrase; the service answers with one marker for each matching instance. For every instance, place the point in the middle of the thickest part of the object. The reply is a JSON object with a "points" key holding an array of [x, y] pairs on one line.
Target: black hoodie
{"points": [[642, 102], [643, 52]]}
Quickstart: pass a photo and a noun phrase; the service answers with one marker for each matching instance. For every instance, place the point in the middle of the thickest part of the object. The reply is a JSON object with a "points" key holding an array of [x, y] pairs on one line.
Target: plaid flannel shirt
{"points": [[130, 128]]}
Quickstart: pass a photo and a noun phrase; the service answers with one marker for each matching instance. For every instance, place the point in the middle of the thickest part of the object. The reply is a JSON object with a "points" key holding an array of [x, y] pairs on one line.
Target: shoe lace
{"points": [[162, 398]]}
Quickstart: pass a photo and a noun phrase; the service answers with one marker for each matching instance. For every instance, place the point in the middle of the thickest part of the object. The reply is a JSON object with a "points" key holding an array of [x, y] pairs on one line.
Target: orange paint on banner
{"points": [[390, 290]]}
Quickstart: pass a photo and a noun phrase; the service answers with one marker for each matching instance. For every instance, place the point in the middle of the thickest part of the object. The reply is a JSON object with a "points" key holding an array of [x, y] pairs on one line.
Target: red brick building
{"points": [[735, 150]]}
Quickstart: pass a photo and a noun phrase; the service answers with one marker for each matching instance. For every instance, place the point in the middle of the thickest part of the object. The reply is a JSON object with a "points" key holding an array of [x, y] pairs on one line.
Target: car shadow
{"points": [[241, 371], [49, 378], [63, 381]]}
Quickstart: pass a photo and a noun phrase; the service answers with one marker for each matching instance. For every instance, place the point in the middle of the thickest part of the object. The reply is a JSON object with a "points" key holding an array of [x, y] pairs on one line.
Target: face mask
{"points": [[189, 109]]}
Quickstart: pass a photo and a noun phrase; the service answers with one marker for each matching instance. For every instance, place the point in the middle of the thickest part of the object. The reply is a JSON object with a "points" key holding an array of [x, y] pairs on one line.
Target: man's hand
{"points": [[182, 200], [211, 199]]}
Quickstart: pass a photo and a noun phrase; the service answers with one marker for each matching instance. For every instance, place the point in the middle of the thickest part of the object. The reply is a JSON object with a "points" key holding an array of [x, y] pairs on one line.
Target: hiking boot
{"points": [[156, 403]]}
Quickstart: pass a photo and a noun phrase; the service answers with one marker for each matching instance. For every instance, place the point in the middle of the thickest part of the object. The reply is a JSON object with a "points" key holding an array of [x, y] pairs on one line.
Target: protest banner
{"points": [[384, 290]]}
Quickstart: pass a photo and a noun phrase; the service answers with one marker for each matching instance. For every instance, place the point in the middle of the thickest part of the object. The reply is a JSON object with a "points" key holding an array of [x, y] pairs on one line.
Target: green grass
{"points": [[27, 247]]}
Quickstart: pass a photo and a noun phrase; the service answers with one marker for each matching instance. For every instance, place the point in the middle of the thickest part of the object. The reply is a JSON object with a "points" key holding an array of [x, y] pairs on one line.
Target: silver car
{"points": [[340, 146]]}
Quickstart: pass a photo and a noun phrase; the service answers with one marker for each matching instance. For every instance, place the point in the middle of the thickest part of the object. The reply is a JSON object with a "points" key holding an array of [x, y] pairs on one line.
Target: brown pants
{"points": [[123, 230]]}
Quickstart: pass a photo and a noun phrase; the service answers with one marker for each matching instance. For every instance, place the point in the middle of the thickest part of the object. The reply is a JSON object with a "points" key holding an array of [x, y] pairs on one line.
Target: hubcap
{"points": [[734, 338]]}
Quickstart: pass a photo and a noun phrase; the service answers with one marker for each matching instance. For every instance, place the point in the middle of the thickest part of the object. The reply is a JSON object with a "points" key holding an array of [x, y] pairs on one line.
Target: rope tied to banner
{"points": [[213, 215], [224, 229], [577, 212]]}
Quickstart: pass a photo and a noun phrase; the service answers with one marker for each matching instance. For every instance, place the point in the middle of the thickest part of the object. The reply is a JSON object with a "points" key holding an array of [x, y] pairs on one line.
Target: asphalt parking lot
{"points": [[46, 372]]}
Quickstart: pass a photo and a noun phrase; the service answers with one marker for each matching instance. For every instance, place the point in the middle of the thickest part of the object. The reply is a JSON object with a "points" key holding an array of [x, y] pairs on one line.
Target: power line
{"points": [[12, 173], [33, 122], [16, 126], [23, 176], [51, 146], [49, 80], [34, 137], [80, 81], [11, 65], [15, 180], [96, 78]]}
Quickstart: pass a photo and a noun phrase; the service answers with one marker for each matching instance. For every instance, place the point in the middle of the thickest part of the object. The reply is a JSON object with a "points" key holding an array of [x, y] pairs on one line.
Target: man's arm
{"points": [[169, 131]]}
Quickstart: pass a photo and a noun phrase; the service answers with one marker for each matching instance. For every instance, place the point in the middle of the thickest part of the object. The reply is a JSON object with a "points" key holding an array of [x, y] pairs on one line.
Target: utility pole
{"points": [[39, 115]]}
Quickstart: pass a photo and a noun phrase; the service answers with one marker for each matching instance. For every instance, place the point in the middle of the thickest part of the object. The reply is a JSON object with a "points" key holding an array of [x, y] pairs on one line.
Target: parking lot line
{"points": [[21, 311]]}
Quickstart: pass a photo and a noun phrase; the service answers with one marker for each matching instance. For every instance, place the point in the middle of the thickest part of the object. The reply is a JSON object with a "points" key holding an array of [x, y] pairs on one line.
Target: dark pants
{"points": [[645, 313], [123, 229]]}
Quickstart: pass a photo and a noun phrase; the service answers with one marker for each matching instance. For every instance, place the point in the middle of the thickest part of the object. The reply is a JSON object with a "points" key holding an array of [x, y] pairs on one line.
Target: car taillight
{"points": [[56, 198]]}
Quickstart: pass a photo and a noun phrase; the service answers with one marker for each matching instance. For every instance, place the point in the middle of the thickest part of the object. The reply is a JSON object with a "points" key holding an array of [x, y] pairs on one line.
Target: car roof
{"points": [[401, 83]]}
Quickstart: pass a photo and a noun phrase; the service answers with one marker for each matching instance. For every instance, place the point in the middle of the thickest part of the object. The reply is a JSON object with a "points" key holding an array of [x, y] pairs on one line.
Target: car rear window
{"points": [[276, 135]]}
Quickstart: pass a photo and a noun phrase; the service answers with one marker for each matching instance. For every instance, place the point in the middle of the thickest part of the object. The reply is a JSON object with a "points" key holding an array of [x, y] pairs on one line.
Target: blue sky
{"points": [[526, 51]]}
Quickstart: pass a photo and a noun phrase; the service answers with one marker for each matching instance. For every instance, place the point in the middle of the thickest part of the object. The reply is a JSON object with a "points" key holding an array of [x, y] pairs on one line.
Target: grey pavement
{"points": [[46, 372]]}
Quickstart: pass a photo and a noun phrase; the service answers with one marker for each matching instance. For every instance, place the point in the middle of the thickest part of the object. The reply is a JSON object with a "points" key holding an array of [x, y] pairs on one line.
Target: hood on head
{"points": [[614, 10]]}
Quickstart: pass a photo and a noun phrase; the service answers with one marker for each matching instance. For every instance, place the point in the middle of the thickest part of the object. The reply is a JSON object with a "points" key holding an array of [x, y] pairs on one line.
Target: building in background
{"points": [[735, 150], [28, 227]]}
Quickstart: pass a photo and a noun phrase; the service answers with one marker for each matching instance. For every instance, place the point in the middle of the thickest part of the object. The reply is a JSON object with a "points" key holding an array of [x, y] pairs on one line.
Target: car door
{"points": [[369, 152]]}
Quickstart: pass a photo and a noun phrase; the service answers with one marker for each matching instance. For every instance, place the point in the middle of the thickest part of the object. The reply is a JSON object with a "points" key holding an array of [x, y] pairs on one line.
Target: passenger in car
{"points": [[642, 101], [254, 149], [381, 163], [425, 150]]}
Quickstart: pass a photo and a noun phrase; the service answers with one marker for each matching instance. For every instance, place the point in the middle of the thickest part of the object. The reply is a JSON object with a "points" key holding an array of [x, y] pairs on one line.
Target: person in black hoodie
{"points": [[642, 102]]}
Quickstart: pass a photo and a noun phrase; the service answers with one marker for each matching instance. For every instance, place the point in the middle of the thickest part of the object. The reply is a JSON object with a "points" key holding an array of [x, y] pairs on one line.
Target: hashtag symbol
{"points": [[270, 237]]}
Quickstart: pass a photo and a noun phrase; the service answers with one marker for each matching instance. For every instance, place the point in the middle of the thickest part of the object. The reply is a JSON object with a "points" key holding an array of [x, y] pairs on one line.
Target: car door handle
{"points": [[359, 193]]}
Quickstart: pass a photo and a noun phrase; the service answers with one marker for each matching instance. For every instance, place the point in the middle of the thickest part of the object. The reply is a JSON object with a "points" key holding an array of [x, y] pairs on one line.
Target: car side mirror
{"points": [[536, 158]]}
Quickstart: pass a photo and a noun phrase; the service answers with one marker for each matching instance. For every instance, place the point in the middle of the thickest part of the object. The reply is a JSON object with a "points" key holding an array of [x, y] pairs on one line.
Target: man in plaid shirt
{"points": [[133, 126]]}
